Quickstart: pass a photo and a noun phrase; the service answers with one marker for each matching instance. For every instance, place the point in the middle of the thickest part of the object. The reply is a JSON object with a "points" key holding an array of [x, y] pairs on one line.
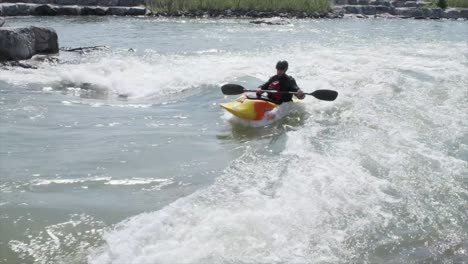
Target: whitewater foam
{"points": [[342, 184]]}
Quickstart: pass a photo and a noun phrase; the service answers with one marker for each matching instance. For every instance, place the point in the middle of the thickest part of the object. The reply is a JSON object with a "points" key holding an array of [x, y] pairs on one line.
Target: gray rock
{"points": [[86, 2], [19, 9], [2, 21], [131, 2], [352, 9], [24, 9], [40, 2], [46, 40], [381, 3], [9, 10], [66, 2], [20, 64], [89, 11], [16, 44], [341, 2], [23, 43], [398, 3], [107, 2], [383, 9], [45, 58], [352, 2], [271, 21], [409, 12], [386, 16], [136, 11], [69, 10], [434, 13], [368, 10], [363, 2], [45, 10], [117, 11], [464, 13], [410, 4], [452, 13]]}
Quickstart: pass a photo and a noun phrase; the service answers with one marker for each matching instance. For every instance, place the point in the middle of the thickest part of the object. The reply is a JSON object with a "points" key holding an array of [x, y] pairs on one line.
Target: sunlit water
{"points": [[124, 156]]}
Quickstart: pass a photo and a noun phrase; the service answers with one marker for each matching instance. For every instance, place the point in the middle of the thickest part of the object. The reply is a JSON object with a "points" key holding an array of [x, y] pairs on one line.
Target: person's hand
{"points": [[259, 92], [300, 95]]}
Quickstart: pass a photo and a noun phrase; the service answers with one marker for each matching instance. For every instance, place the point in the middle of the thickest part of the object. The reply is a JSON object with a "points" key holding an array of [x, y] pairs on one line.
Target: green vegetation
{"points": [[235, 5], [442, 4], [458, 3], [449, 3]]}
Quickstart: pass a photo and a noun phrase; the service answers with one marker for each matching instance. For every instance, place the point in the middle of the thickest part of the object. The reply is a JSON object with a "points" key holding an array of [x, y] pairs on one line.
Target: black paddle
{"points": [[233, 89]]}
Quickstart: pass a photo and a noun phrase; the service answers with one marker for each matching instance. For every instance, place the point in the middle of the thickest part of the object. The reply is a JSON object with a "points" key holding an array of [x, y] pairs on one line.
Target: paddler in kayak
{"points": [[281, 82]]}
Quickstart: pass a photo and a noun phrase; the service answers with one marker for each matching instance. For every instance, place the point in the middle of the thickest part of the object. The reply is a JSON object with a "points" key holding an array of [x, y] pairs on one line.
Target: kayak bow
{"points": [[249, 108]]}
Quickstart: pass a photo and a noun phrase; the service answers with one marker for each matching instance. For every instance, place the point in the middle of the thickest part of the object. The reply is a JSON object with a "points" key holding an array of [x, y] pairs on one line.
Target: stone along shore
{"points": [[73, 8]]}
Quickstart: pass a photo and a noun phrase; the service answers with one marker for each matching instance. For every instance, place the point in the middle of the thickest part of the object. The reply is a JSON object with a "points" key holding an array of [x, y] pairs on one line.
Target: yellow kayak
{"points": [[249, 108]]}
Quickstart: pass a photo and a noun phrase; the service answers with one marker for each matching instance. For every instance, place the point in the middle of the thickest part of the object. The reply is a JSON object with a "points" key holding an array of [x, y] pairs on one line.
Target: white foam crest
{"points": [[105, 180], [262, 214], [153, 75]]}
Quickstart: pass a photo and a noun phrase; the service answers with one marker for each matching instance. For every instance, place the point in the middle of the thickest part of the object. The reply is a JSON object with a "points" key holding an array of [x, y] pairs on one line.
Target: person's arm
{"points": [[294, 88], [264, 87]]}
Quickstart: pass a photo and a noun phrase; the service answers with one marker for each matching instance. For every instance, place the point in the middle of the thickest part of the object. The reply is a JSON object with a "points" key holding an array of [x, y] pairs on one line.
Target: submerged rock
{"points": [[20, 64], [85, 49], [271, 21]]}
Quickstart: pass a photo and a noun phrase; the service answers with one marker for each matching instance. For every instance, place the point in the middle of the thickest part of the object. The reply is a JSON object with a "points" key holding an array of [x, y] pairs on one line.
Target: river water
{"points": [[123, 155]]}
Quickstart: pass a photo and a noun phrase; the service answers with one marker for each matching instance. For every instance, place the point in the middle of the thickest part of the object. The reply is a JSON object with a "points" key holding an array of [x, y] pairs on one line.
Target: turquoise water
{"points": [[163, 175]]}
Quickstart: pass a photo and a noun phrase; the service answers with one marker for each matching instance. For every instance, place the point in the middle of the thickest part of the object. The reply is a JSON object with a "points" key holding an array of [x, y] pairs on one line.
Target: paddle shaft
{"points": [[274, 91], [233, 89]]}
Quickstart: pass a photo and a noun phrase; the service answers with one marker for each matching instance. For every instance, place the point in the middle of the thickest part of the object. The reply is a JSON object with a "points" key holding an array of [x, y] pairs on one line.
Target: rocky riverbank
{"points": [[26, 9]]}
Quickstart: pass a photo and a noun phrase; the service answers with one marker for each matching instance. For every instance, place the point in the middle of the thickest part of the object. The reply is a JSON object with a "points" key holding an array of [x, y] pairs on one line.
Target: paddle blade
{"points": [[326, 95], [232, 89]]}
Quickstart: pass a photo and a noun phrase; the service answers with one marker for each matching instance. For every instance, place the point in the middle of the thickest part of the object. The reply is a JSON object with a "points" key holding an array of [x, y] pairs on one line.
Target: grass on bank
{"points": [[449, 3], [458, 3], [250, 5]]}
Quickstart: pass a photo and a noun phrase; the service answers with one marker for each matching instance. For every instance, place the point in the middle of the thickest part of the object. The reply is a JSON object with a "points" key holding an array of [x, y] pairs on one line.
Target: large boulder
{"points": [[46, 40], [16, 44], [23, 43]]}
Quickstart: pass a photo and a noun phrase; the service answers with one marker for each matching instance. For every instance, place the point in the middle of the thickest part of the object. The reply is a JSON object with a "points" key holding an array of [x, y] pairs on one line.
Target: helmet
{"points": [[282, 65]]}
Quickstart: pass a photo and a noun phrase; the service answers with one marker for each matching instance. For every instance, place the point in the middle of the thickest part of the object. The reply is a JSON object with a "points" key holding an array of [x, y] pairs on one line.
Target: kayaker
{"points": [[281, 82]]}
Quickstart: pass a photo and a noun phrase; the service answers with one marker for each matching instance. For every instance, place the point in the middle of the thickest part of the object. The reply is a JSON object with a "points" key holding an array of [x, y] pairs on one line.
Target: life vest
{"points": [[275, 96]]}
